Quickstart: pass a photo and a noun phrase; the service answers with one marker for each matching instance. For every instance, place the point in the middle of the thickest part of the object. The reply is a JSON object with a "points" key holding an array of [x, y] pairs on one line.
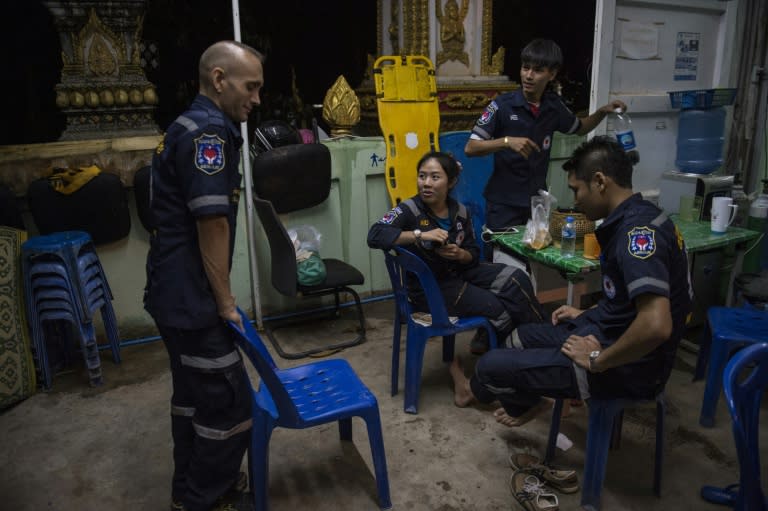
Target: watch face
{"points": [[593, 355]]}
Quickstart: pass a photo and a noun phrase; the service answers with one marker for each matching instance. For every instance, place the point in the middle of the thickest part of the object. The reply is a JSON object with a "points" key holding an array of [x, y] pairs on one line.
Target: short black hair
{"points": [[447, 161], [602, 154], [542, 52]]}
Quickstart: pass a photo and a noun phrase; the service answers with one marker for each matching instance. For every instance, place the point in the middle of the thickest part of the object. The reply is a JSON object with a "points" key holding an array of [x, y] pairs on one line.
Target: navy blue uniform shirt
{"points": [[194, 174], [515, 180], [414, 214], [642, 252]]}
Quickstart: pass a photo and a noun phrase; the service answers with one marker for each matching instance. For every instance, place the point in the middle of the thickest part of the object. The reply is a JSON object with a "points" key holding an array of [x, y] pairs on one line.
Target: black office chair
{"points": [[291, 178]]}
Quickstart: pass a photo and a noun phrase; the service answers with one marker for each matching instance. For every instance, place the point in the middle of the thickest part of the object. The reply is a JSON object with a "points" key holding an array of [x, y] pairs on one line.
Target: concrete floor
{"points": [[109, 448]]}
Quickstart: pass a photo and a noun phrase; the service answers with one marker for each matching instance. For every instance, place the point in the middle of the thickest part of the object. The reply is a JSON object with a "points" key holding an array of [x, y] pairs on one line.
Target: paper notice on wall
{"points": [[687, 55], [638, 41]]}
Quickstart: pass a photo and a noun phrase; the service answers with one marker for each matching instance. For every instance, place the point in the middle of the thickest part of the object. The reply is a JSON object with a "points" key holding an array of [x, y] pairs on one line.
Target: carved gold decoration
{"points": [[121, 97], [415, 27], [394, 28], [465, 100], [452, 35], [100, 60], [341, 108], [107, 98], [485, 45], [497, 62]]}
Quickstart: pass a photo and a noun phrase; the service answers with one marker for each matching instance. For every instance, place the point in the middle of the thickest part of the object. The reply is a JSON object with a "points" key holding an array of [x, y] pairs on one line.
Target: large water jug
{"points": [[700, 140]]}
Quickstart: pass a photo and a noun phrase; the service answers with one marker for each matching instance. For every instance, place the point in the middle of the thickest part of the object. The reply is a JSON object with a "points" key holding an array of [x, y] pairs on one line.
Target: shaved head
{"points": [[225, 55], [231, 75]]}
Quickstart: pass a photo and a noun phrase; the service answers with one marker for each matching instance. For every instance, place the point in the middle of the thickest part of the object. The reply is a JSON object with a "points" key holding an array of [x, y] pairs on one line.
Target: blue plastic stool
{"points": [[731, 329], [303, 397], [64, 281], [605, 424]]}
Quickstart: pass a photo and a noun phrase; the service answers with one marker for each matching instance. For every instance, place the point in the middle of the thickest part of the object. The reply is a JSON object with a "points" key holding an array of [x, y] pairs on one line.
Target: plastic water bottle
{"points": [[568, 238], [623, 127], [757, 258], [742, 200]]}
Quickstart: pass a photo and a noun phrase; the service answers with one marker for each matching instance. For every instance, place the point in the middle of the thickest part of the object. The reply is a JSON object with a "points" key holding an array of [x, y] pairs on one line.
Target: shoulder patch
{"points": [[391, 215], [209, 153], [642, 242], [488, 113]]}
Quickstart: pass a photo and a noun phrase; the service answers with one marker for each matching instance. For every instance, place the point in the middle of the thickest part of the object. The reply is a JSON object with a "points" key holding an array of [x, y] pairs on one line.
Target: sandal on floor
{"points": [[717, 495], [564, 481], [531, 493]]}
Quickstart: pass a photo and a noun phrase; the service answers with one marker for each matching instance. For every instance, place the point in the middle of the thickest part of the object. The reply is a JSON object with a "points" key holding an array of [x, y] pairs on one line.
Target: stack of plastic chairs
{"points": [[64, 281]]}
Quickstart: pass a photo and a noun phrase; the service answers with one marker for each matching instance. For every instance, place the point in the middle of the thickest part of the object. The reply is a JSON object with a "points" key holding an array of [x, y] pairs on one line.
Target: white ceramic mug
{"points": [[723, 213]]}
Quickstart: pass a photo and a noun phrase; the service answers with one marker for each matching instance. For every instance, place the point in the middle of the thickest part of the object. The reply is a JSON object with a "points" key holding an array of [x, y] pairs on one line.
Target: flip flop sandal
{"points": [[717, 495], [564, 481], [531, 493]]}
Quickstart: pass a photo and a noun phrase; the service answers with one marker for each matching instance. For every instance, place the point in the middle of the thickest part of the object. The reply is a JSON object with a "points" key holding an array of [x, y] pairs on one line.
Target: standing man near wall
{"points": [[518, 127], [195, 187]]}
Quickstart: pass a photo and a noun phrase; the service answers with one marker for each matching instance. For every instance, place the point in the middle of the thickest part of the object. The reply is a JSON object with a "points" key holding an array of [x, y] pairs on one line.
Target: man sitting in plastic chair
{"points": [[625, 346]]}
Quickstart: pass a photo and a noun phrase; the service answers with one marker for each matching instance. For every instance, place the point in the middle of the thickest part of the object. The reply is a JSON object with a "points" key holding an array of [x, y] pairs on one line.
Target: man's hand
{"points": [[233, 316], [522, 145], [565, 312], [612, 106], [578, 348]]}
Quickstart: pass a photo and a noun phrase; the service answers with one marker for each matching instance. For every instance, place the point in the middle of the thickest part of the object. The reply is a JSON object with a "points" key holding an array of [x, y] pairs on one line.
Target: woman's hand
{"points": [[437, 236], [454, 252], [565, 312]]}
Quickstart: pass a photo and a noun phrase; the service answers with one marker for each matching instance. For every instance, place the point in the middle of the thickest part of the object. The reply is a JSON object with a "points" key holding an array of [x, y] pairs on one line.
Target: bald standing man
{"points": [[195, 187]]}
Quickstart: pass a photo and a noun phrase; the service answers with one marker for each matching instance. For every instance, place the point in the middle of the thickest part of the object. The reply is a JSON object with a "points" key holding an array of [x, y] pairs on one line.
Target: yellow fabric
{"points": [[409, 117], [68, 181]]}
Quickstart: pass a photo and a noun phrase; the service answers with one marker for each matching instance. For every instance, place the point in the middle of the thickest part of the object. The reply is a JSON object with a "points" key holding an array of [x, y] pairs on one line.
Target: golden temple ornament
{"points": [[341, 108]]}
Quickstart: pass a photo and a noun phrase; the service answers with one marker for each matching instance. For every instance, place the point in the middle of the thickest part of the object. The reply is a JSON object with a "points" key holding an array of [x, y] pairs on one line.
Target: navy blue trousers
{"points": [[519, 378]]}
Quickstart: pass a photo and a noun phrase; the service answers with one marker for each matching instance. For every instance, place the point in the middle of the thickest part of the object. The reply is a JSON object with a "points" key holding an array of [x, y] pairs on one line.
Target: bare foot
{"points": [[462, 394], [507, 420]]}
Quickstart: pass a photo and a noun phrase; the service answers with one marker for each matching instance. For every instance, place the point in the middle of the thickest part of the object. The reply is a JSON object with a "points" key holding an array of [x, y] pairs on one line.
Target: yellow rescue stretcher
{"points": [[406, 95]]}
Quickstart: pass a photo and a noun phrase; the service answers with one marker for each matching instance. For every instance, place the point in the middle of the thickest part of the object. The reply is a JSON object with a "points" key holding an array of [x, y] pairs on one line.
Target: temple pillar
{"points": [[456, 36], [103, 91]]}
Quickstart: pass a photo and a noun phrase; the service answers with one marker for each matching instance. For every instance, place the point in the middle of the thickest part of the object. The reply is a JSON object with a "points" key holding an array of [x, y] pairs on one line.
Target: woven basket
{"points": [[580, 223]]}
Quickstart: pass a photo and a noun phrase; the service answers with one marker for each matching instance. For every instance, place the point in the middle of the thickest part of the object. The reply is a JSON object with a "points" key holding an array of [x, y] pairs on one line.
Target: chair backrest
{"points": [[744, 396], [284, 268], [403, 262], [274, 398], [293, 177]]}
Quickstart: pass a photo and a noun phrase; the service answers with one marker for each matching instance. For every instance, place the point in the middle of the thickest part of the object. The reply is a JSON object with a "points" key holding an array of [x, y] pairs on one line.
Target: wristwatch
{"points": [[592, 359], [417, 234]]}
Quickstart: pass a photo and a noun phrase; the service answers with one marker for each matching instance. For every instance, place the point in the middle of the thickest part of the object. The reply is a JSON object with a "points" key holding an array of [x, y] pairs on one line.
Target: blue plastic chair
{"points": [[744, 395], [604, 433], [474, 175], [399, 264], [302, 397], [728, 329]]}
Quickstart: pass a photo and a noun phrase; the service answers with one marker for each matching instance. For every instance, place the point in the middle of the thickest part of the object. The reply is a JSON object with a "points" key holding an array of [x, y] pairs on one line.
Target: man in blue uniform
{"points": [[518, 127], [625, 346], [195, 185]]}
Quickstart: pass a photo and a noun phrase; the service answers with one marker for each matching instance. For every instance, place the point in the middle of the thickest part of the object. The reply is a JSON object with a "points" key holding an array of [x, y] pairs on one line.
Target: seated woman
{"points": [[438, 229]]}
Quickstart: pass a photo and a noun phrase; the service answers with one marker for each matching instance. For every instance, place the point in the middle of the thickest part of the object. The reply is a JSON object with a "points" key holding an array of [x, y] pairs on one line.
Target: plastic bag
{"points": [[537, 234], [309, 265]]}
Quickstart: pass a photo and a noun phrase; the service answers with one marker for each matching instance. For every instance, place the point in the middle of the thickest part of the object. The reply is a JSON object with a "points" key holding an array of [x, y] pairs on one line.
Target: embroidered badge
{"points": [[459, 237], [547, 142], [608, 287], [424, 222], [209, 153], [488, 113], [391, 215], [458, 226], [642, 243]]}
